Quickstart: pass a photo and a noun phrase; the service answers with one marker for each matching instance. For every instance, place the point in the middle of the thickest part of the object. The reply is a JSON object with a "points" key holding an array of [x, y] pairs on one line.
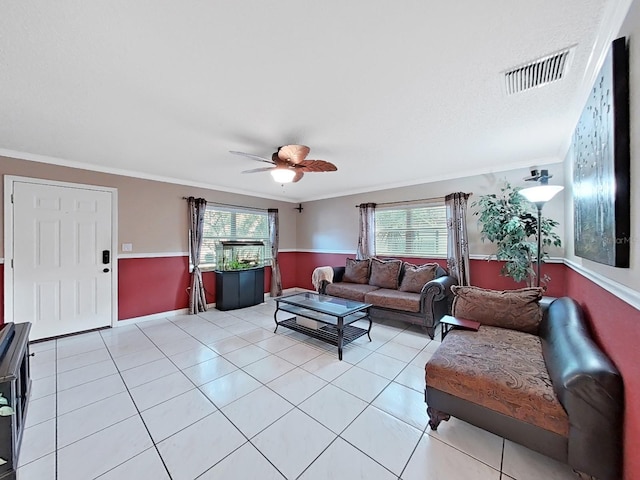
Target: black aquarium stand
{"points": [[15, 386], [239, 288]]}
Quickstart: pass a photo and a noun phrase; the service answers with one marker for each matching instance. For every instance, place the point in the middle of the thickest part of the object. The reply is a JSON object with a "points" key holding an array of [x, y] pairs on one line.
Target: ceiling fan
{"points": [[289, 163]]}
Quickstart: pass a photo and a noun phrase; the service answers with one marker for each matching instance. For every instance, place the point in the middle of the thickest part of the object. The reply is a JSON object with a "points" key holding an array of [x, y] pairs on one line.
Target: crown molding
{"points": [[34, 157]]}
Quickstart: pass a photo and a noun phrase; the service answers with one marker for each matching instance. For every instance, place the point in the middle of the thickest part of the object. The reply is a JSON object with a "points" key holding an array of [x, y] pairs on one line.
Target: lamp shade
{"points": [[283, 175], [541, 193]]}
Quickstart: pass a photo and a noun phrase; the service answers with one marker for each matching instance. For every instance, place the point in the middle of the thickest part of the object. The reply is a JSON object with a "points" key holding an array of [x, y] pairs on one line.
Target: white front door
{"points": [[62, 258]]}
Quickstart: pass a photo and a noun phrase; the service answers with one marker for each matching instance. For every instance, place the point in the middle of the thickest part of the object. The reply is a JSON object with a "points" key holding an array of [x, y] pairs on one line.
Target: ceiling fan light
{"points": [[283, 175]]}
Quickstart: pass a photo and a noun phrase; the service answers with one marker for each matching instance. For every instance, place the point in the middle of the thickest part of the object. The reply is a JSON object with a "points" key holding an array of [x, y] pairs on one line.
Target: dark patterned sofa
{"points": [[417, 294], [551, 390]]}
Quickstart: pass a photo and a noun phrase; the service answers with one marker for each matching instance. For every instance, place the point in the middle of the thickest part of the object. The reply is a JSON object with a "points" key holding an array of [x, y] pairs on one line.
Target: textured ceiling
{"points": [[393, 93]]}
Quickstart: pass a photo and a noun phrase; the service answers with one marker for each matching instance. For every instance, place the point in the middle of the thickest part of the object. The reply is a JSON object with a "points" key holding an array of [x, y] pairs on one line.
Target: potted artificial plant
{"points": [[510, 221]]}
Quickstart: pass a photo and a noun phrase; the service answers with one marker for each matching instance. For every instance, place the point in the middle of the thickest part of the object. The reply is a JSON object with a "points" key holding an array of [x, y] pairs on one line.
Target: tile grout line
{"points": [[504, 442], [139, 415], [369, 404], [218, 410], [295, 366], [248, 440], [263, 384], [56, 422]]}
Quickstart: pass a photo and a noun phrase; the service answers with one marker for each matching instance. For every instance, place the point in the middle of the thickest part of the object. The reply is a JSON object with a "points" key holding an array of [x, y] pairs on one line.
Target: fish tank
{"points": [[239, 254]]}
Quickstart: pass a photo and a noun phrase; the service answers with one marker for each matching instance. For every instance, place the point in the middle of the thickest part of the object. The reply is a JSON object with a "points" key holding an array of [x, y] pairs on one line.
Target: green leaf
{"points": [[511, 222]]}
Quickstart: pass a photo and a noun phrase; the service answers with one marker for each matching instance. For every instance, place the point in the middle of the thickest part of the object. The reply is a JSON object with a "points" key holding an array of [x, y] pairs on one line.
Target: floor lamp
{"points": [[539, 196]]}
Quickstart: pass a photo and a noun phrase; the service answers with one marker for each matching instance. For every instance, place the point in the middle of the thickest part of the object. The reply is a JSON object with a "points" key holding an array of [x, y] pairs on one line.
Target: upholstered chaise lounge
{"points": [[546, 386]]}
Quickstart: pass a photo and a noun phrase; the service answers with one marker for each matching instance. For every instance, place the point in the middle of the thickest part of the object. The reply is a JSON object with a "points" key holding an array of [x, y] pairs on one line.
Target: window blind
{"points": [[411, 230], [233, 224]]}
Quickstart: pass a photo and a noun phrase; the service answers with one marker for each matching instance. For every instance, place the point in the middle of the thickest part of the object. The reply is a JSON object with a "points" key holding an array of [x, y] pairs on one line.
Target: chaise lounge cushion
{"points": [[357, 271], [386, 298], [351, 291], [385, 273], [416, 276], [512, 309], [514, 383]]}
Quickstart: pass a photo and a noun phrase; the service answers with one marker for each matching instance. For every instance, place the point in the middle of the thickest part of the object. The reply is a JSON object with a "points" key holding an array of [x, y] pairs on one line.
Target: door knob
{"points": [[106, 270]]}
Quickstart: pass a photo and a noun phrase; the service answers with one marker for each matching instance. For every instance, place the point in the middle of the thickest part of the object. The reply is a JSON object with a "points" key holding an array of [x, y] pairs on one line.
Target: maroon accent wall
{"points": [[1, 293], [308, 261], [152, 285], [288, 270], [160, 284], [616, 328], [486, 274]]}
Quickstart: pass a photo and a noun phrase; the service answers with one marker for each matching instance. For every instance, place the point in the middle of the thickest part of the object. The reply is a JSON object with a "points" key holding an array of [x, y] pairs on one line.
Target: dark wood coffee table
{"points": [[448, 322], [337, 315]]}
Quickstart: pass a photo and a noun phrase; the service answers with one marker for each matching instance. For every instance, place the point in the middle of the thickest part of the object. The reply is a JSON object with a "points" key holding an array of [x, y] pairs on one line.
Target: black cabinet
{"points": [[15, 386], [239, 288]]}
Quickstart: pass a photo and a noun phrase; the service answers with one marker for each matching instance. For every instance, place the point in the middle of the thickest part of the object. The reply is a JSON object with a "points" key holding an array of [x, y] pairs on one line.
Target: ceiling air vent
{"points": [[537, 72]]}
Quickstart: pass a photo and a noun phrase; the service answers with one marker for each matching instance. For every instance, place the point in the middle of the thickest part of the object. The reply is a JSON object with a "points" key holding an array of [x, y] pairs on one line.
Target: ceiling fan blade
{"points": [[299, 175], [316, 166], [293, 153], [256, 170], [252, 156]]}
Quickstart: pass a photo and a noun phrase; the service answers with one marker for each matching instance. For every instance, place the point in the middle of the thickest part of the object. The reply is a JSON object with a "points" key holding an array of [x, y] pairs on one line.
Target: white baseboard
{"points": [[156, 316]]}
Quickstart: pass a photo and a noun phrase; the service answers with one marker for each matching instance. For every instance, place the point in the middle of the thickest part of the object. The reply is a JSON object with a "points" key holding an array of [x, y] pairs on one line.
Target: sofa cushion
{"points": [[357, 271], [416, 276], [502, 370], [395, 299], [385, 273], [513, 309], [351, 291]]}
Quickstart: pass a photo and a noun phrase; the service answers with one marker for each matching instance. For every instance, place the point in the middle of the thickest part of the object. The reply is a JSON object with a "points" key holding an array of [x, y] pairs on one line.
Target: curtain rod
{"points": [[231, 205], [402, 202]]}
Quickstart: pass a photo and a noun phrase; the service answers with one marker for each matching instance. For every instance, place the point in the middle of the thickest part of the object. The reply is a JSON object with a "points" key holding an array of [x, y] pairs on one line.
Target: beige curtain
{"points": [[197, 299], [366, 231], [457, 239], [274, 238]]}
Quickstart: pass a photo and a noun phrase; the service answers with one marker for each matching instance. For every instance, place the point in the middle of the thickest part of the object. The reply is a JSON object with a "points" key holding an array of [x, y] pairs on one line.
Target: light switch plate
{"points": [[127, 247]]}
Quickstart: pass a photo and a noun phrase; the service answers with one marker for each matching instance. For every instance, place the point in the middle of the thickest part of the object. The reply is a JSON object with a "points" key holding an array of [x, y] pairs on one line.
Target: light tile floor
{"points": [[219, 396]]}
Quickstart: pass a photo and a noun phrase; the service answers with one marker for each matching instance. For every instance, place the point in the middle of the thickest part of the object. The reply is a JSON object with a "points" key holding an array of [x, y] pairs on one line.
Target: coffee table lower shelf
{"points": [[328, 333], [335, 315]]}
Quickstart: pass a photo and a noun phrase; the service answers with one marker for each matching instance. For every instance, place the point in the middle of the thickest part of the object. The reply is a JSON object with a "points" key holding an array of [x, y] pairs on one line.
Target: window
{"points": [[224, 224], [414, 230]]}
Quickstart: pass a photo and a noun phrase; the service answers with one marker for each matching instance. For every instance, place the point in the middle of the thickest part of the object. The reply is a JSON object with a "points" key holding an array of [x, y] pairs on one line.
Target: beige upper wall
{"points": [[151, 215], [332, 224], [626, 276]]}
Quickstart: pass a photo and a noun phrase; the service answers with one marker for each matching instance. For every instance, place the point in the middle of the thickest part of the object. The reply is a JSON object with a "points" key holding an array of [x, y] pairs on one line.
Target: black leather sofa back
{"points": [[589, 387]]}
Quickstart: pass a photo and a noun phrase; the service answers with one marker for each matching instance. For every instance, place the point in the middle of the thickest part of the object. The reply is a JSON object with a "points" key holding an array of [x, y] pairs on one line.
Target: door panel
{"points": [[59, 234]]}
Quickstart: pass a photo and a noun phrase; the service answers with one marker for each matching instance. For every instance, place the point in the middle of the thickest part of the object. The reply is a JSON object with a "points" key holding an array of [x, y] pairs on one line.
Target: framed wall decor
{"points": [[601, 165]]}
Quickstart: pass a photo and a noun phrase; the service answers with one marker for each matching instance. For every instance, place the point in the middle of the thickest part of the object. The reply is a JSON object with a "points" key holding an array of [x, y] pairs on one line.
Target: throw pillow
{"points": [[356, 271], [513, 309], [415, 276], [385, 273]]}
